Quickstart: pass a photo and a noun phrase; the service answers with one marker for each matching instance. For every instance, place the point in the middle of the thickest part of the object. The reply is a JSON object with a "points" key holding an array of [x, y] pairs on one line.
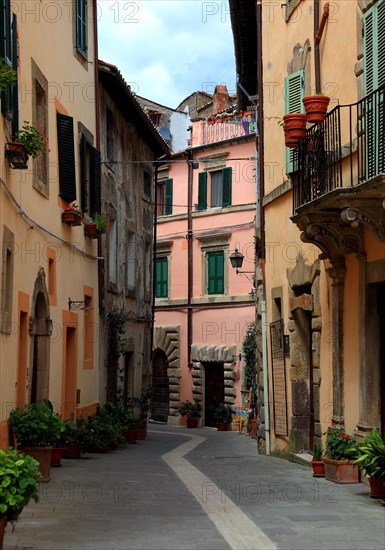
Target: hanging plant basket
{"points": [[91, 231], [294, 126], [316, 107], [16, 154], [71, 217]]}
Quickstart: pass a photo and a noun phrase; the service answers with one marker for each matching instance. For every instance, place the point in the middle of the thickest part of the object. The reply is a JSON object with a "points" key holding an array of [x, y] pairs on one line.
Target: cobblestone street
{"points": [[187, 489]]}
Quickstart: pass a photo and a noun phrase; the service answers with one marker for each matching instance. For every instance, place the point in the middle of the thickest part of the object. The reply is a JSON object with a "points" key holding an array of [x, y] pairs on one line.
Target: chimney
{"points": [[221, 99]]}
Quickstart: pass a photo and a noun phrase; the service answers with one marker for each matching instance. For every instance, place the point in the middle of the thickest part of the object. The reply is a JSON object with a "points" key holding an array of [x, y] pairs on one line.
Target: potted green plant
{"points": [[8, 75], [37, 429], [72, 215], [140, 405], [340, 455], [192, 411], [371, 458], [98, 225], [317, 464], [19, 475], [316, 107], [33, 139], [71, 439], [223, 414]]}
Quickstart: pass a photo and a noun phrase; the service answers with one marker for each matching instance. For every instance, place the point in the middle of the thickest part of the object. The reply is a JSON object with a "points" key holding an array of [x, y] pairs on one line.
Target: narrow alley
{"points": [[187, 489]]}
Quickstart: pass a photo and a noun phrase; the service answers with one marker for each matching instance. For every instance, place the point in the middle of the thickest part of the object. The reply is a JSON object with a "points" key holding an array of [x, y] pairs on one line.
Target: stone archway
{"points": [[167, 339], [205, 355], [40, 330]]}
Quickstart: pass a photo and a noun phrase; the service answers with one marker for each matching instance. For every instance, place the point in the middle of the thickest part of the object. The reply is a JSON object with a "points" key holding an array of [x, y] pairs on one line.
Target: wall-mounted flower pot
{"points": [[91, 231], [16, 155], [71, 217], [294, 126], [316, 107]]}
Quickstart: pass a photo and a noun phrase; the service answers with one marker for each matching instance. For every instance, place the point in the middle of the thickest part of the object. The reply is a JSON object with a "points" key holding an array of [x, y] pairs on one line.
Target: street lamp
{"points": [[236, 260]]}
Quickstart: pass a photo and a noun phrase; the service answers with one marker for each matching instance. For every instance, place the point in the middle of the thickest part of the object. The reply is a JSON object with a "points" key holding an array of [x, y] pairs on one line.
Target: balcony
{"points": [[226, 129], [339, 183]]}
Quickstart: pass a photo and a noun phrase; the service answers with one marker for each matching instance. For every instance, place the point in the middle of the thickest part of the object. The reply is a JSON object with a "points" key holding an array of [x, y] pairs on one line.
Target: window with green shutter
{"points": [[8, 52], [81, 26], [215, 272], [374, 78], [161, 278], [90, 176], [202, 191], [293, 94], [168, 197], [65, 138], [226, 186]]}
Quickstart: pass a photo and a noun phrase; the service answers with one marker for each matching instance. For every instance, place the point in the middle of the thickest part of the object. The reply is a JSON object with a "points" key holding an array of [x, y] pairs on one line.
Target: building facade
{"points": [[129, 145], [206, 210], [323, 217], [49, 339]]}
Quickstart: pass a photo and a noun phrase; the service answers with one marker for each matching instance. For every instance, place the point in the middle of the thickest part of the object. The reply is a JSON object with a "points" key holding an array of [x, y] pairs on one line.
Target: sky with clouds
{"points": [[168, 49]]}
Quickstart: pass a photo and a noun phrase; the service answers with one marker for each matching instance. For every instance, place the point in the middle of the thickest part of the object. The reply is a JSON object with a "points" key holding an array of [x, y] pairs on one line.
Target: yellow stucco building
{"points": [[49, 278], [322, 222]]}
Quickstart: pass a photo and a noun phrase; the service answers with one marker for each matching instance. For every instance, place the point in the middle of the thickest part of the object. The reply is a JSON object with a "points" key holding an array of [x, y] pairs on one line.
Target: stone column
{"points": [[337, 272]]}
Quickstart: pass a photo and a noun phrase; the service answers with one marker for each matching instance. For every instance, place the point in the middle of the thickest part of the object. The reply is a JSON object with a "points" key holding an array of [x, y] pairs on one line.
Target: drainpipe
{"points": [[154, 257], [190, 259], [260, 218], [318, 31]]}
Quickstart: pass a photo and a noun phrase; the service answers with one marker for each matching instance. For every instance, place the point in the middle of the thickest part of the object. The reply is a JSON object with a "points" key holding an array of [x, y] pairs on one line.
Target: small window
{"points": [[112, 253], [7, 280], [216, 189], [90, 176], [161, 278], [131, 261], [220, 188], [147, 185], [215, 273], [164, 197], [81, 26]]}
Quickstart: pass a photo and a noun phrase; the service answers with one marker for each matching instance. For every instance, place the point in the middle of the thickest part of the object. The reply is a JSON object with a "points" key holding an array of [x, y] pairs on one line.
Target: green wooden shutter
{"points": [[293, 94], [168, 197], [6, 54], [95, 181], [202, 190], [374, 77], [15, 88], [226, 186], [83, 175], [161, 278], [65, 138], [81, 26], [215, 273]]}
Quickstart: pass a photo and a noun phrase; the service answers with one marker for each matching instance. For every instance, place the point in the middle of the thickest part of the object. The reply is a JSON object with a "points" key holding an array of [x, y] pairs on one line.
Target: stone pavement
{"points": [[190, 489]]}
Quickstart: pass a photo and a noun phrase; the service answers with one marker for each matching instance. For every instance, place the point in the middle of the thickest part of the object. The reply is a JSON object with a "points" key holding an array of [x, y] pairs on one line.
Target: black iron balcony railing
{"points": [[347, 149]]}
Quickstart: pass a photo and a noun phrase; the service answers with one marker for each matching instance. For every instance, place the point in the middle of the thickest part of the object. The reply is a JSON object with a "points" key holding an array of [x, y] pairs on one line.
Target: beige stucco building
{"points": [[322, 215], [49, 347]]}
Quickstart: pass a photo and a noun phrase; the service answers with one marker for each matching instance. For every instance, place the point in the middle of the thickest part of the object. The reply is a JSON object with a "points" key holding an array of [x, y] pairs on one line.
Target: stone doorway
{"points": [[161, 387], [40, 330], [214, 390]]}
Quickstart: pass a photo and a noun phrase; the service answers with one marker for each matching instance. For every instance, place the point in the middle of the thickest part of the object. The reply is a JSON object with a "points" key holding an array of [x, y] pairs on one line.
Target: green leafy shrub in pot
{"points": [[317, 452], [19, 476], [190, 409], [35, 425], [339, 445], [223, 413], [371, 455]]}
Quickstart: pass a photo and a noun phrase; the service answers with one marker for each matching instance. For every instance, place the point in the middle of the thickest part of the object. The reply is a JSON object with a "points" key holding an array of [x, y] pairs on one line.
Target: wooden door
{"points": [[214, 390]]}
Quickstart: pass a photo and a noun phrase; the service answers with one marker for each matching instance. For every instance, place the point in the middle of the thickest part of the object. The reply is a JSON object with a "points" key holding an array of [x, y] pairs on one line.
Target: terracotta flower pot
{"points": [[222, 426], [318, 468], [3, 523], [17, 155], [43, 456], [253, 432], [142, 431], [131, 436], [56, 456], [72, 451], [316, 107], [341, 471], [192, 422], [91, 231], [377, 488], [294, 128], [72, 218]]}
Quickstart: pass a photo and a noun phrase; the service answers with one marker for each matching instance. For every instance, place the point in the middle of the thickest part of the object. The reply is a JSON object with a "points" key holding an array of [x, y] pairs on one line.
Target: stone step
{"points": [[301, 458]]}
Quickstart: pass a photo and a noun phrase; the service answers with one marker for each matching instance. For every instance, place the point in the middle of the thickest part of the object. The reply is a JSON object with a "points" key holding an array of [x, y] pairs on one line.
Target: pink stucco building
{"points": [[206, 210]]}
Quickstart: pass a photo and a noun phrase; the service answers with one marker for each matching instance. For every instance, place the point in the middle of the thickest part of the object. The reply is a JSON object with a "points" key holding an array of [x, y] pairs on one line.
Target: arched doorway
{"points": [[161, 388], [40, 330]]}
